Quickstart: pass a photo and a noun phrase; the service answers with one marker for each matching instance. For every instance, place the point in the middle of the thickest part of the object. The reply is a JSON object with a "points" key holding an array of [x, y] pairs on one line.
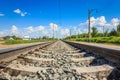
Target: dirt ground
{"points": [[4, 46], [112, 46]]}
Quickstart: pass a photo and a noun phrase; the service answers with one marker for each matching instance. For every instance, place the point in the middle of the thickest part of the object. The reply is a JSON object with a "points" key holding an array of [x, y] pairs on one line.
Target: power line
{"points": [[53, 30]]}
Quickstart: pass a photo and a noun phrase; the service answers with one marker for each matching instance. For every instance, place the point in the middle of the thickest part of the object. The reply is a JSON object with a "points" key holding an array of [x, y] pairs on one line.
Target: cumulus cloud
{"points": [[35, 29], [2, 14], [14, 29], [65, 32], [61, 31], [18, 11], [30, 29], [92, 20], [79, 31], [54, 26], [99, 22], [40, 28], [45, 32], [1, 33], [115, 21]]}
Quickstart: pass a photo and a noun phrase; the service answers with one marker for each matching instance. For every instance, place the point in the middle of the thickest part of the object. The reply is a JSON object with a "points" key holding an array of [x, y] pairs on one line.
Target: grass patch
{"points": [[23, 41], [114, 40]]}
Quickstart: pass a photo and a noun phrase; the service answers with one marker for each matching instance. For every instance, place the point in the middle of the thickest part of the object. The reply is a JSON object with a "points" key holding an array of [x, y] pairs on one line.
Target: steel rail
{"points": [[11, 54], [112, 55]]}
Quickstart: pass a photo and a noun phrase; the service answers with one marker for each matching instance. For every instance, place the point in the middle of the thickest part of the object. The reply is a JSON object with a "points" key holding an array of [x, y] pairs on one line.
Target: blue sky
{"points": [[21, 15]]}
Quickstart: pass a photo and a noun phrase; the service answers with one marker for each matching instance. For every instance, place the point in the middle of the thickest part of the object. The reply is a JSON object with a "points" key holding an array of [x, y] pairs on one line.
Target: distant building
{"points": [[26, 38]]}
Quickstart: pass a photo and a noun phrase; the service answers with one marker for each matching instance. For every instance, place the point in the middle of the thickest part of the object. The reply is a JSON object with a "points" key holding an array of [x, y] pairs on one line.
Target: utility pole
{"points": [[53, 30], [77, 33], [89, 34], [89, 12], [103, 31], [70, 33]]}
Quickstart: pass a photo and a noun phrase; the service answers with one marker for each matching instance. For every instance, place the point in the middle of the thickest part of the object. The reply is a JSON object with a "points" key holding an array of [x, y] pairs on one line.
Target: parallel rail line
{"points": [[112, 55], [60, 60], [8, 55]]}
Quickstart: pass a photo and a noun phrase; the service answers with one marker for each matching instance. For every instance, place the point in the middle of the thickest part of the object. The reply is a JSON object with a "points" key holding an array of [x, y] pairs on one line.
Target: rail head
{"points": [[112, 55], [17, 48], [14, 52]]}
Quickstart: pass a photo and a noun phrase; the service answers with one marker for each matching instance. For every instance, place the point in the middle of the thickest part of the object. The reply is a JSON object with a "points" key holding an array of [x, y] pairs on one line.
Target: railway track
{"points": [[56, 61]]}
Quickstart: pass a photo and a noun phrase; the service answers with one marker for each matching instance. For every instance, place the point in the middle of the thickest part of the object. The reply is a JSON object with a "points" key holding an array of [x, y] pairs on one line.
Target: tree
{"points": [[6, 37], [16, 37], [118, 30], [106, 33], [45, 37], [94, 31], [113, 32], [99, 35]]}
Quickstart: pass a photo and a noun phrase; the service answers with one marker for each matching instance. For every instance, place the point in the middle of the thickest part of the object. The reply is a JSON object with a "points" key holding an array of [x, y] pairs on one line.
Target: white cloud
{"points": [[79, 31], [54, 26], [99, 22], [45, 32], [18, 11], [35, 29], [65, 32], [61, 31], [115, 21], [23, 14], [40, 28], [14, 29], [30, 28], [92, 20], [2, 14], [85, 30], [108, 25], [1, 33]]}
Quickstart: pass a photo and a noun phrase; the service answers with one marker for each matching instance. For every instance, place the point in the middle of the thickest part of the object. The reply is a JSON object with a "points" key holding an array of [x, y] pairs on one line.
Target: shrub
{"points": [[111, 39]]}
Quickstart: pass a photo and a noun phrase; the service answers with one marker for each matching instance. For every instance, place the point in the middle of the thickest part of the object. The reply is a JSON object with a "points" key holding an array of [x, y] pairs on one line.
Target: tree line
{"points": [[14, 37], [95, 33]]}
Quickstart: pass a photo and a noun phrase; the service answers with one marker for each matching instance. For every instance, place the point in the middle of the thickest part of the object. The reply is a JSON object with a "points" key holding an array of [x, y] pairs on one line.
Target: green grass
{"points": [[23, 41], [115, 40]]}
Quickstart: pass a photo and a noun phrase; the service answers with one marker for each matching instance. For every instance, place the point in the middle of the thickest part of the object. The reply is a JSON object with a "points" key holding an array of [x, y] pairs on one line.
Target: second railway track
{"points": [[57, 61]]}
